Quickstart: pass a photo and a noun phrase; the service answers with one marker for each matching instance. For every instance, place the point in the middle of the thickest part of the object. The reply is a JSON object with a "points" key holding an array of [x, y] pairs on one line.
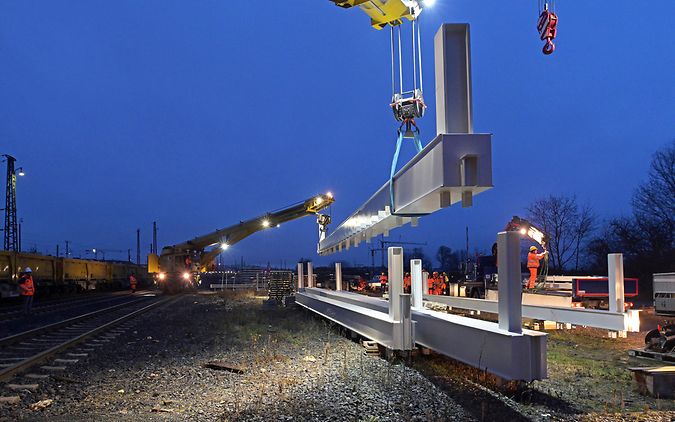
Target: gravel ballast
{"points": [[290, 365], [231, 357]]}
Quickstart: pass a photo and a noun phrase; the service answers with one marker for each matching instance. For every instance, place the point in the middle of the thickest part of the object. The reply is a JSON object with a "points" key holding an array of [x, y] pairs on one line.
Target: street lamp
{"points": [[93, 251], [20, 172]]}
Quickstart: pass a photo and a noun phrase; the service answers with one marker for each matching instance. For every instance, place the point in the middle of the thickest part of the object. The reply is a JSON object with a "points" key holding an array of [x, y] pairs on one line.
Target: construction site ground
{"points": [[231, 357]]}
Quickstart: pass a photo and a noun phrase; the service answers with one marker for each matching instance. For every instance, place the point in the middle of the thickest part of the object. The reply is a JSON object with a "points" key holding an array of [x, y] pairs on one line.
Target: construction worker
{"points": [[445, 282], [383, 282], [407, 281], [436, 284], [430, 284], [362, 284], [27, 290], [133, 282], [533, 259]]}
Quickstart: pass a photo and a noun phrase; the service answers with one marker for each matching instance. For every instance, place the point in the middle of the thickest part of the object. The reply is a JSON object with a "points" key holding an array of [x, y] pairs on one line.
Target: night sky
{"points": [[198, 114]]}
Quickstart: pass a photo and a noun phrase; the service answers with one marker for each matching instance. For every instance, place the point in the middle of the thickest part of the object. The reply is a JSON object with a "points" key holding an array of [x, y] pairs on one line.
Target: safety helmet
{"points": [[533, 248], [27, 270]]}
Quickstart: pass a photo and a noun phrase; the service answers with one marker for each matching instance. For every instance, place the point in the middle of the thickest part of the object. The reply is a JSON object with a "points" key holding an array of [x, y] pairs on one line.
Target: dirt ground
{"points": [[588, 379]]}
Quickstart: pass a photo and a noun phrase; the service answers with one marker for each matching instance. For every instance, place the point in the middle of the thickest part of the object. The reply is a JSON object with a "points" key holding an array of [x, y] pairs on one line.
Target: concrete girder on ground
{"points": [[481, 344], [614, 321], [503, 349]]}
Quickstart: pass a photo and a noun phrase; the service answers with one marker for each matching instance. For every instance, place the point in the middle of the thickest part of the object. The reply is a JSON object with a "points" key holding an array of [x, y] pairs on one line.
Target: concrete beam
{"points": [[584, 317], [301, 276], [373, 324], [310, 275], [616, 282], [338, 276], [434, 179], [481, 344], [417, 288], [510, 284], [452, 53]]}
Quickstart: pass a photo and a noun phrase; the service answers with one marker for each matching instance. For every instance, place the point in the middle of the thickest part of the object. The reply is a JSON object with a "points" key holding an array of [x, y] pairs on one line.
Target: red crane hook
{"points": [[547, 27]]}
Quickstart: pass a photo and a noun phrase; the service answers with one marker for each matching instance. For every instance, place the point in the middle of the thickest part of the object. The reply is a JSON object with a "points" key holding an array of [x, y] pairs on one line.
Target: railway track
{"points": [[84, 334], [43, 308]]}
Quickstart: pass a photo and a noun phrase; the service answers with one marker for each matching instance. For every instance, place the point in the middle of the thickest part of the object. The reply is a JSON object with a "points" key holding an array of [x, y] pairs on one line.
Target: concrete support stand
{"points": [[395, 259], [417, 283], [338, 276], [301, 276], [399, 303], [615, 264], [616, 286], [510, 284], [425, 282], [310, 275]]}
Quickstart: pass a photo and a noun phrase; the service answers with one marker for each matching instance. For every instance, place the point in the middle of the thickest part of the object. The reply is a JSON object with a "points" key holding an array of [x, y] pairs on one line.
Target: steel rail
{"points": [[45, 328], [49, 307], [9, 372]]}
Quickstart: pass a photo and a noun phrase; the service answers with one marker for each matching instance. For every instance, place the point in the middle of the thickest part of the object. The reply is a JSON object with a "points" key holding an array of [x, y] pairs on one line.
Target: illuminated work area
{"points": [[483, 229]]}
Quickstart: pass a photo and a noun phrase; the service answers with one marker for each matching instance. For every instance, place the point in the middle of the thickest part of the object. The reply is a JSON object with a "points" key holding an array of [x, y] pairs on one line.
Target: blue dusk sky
{"points": [[198, 114]]}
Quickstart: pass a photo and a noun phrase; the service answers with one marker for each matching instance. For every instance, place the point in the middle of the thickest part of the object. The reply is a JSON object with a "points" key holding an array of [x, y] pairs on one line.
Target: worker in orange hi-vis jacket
{"points": [[407, 281], [383, 281], [533, 259], [430, 283], [27, 290], [133, 283], [436, 283], [444, 283]]}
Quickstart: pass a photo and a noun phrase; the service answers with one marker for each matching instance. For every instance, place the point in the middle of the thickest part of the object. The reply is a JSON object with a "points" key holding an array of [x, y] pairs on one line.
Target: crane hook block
{"points": [[548, 29], [407, 107]]}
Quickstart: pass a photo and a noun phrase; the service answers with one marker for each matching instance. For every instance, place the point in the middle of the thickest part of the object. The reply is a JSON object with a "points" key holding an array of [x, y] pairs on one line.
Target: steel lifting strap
{"points": [[394, 162]]}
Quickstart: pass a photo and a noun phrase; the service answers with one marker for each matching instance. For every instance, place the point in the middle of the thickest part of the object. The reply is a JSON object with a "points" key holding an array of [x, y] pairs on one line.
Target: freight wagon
{"points": [[61, 275]]}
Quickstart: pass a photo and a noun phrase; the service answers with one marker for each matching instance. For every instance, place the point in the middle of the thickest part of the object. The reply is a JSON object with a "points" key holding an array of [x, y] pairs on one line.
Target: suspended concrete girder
{"points": [[451, 169]]}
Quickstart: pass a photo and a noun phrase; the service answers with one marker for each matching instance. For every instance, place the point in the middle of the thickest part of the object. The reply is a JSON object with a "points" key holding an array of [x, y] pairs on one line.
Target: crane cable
{"points": [[405, 109]]}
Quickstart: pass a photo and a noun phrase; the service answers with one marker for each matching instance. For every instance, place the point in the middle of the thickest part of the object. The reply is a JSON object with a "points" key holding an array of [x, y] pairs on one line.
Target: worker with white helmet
{"points": [[27, 290], [533, 258]]}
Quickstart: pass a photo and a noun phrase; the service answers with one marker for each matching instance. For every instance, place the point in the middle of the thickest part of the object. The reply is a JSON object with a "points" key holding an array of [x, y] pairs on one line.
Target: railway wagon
{"points": [[74, 274], [121, 272], [44, 269], [8, 286], [99, 273], [62, 275]]}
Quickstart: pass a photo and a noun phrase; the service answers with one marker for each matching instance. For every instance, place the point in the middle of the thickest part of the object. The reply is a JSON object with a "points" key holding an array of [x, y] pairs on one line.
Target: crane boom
{"points": [[385, 12], [192, 256]]}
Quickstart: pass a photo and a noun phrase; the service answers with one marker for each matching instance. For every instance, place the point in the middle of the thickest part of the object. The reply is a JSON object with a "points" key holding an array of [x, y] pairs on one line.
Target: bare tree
{"points": [[585, 226], [647, 237], [655, 199], [567, 226], [418, 253], [450, 260]]}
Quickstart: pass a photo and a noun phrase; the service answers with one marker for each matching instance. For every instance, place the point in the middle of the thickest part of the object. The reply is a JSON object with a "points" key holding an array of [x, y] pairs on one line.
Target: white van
{"points": [[664, 293]]}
